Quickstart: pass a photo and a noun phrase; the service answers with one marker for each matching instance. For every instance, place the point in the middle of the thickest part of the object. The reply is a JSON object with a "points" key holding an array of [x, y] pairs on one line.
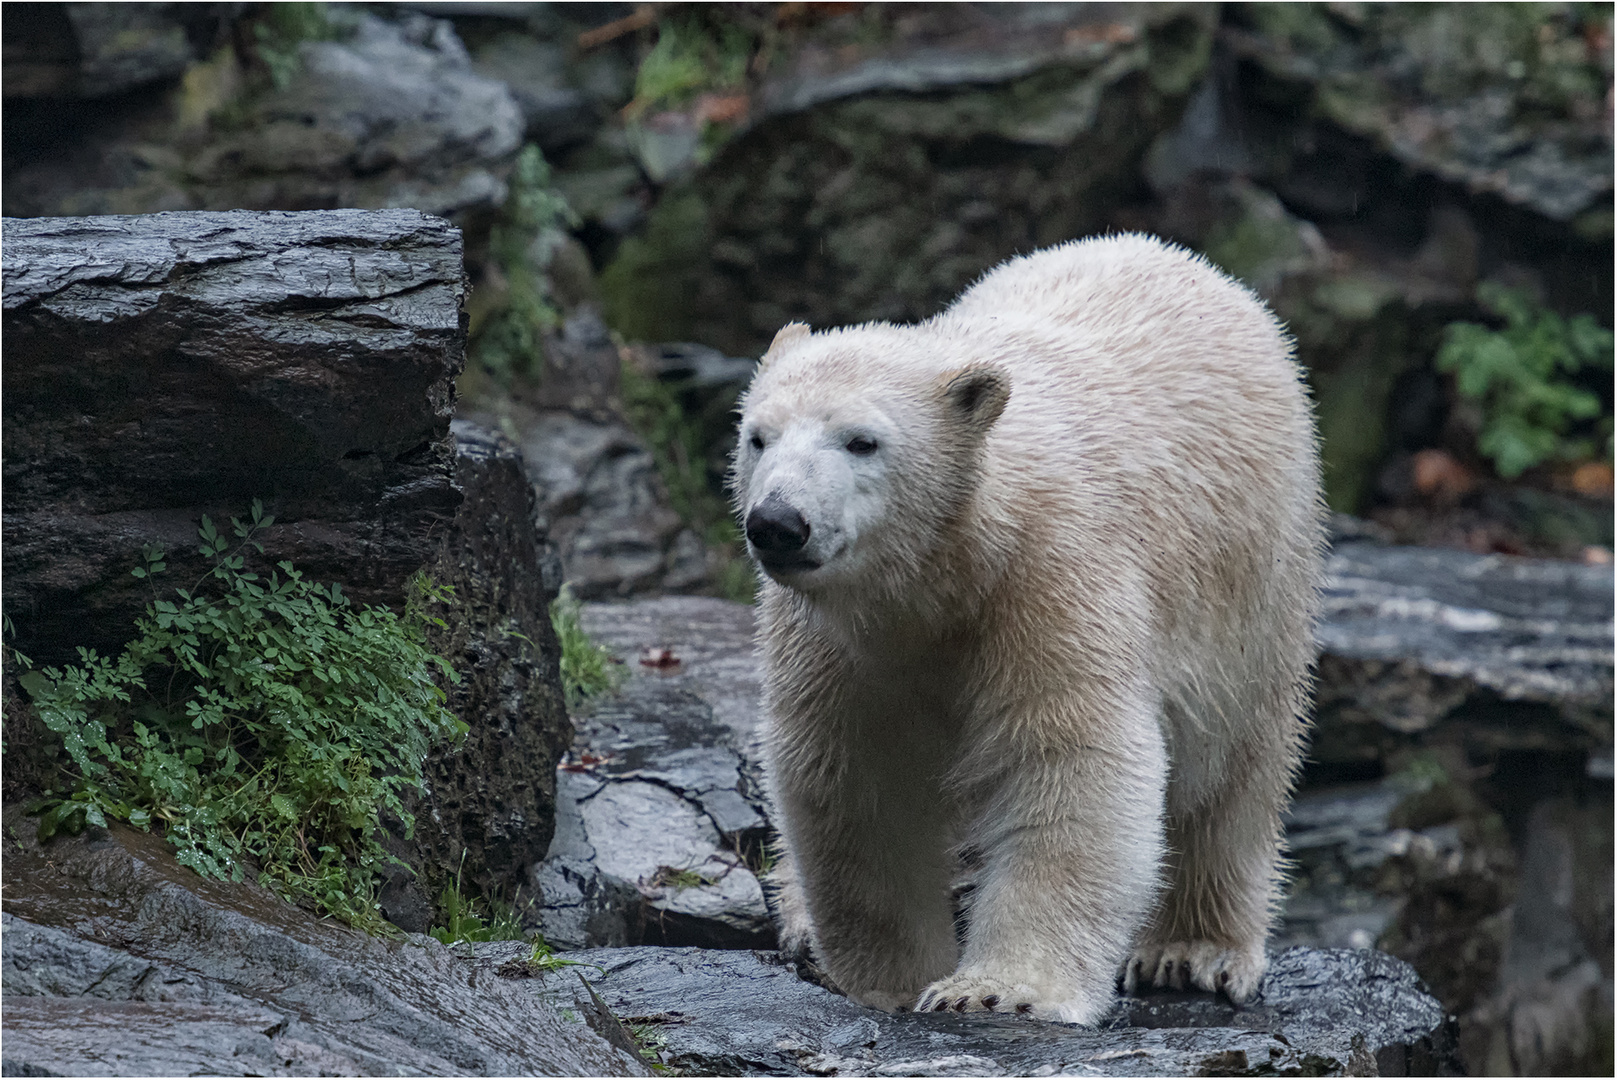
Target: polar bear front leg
{"points": [[1072, 847], [873, 875], [793, 927]]}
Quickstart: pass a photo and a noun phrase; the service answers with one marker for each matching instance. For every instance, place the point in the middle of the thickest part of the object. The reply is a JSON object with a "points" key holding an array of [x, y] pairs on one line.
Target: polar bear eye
{"points": [[756, 442], [862, 446]]}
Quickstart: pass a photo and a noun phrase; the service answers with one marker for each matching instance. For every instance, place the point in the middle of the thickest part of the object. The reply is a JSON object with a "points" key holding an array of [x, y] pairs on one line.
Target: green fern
{"points": [[1521, 376]]}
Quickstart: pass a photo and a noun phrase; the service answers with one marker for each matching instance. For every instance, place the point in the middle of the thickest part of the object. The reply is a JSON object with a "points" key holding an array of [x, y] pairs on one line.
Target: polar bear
{"points": [[1039, 580]]}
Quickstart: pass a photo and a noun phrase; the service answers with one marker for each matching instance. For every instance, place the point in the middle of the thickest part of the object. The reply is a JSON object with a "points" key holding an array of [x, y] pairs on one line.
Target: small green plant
{"points": [[461, 921], [255, 717], [521, 244], [465, 920], [587, 669], [652, 1041], [699, 50], [680, 878], [678, 447], [1521, 377], [544, 958]]}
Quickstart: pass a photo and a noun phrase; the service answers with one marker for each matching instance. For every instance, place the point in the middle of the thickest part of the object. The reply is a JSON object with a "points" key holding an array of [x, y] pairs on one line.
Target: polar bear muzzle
{"points": [[777, 533]]}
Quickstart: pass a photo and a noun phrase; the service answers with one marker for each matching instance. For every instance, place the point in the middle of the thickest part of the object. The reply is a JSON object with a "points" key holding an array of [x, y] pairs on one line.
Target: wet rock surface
{"points": [[602, 502], [392, 114], [660, 815], [1415, 636], [162, 367], [1486, 98], [950, 139], [116, 960], [1318, 1013], [489, 811], [94, 50]]}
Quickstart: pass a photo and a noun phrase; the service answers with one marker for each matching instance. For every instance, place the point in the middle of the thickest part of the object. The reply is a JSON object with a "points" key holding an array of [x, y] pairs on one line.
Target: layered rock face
{"points": [[161, 368], [878, 180], [391, 115]]}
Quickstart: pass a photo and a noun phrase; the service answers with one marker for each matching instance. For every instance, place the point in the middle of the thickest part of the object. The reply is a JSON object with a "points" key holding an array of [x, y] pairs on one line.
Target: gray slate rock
{"points": [[664, 774], [894, 160], [1414, 79], [1412, 634], [117, 960], [1339, 838], [601, 501], [393, 115], [1336, 1012], [655, 809], [713, 641], [491, 796], [97, 50], [163, 367], [558, 115]]}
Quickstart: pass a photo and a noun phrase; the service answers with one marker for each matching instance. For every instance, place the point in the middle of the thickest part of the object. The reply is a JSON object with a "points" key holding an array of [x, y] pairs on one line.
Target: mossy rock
{"points": [[886, 205]]}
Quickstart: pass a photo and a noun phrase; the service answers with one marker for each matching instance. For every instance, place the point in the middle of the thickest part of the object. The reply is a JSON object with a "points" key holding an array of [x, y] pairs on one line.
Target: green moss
{"points": [[646, 290]]}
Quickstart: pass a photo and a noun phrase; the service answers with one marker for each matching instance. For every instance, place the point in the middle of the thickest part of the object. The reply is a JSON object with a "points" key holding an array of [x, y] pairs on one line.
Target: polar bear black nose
{"points": [[775, 528]]}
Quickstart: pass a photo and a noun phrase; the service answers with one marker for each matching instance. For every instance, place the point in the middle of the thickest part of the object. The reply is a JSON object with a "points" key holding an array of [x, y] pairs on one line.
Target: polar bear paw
{"points": [[978, 993], [1182, 965]]}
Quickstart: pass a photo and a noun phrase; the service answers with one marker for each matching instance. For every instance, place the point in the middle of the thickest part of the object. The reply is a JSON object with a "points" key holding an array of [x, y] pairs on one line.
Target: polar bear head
{"points": [[858, 450]]}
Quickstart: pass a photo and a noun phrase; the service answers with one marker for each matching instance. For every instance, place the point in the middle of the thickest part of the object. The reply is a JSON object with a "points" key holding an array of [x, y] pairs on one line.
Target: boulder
{"points": [[894, 159], [160, 368], [489, 810], [390, 114], [1502, 100], [116, 960], [704, 1012], [65, 51]]}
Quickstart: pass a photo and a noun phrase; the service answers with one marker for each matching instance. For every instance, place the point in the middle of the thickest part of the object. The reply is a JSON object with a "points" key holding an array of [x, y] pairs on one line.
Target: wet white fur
{"points": [[1064, 620]]}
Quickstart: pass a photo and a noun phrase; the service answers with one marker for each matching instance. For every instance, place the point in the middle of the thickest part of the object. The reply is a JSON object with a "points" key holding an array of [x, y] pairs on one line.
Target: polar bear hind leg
{"points": [[1223, 874]]}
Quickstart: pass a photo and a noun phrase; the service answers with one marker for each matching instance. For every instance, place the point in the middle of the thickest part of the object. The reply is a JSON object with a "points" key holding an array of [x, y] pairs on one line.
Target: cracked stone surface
{"points": [[1334, 1012], [115, 960], [1520, 650], [663, 783]]}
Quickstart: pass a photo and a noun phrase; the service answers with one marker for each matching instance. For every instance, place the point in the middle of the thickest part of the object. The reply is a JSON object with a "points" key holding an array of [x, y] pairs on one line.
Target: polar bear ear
{"points": [[978, 395], [784, 337]]}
